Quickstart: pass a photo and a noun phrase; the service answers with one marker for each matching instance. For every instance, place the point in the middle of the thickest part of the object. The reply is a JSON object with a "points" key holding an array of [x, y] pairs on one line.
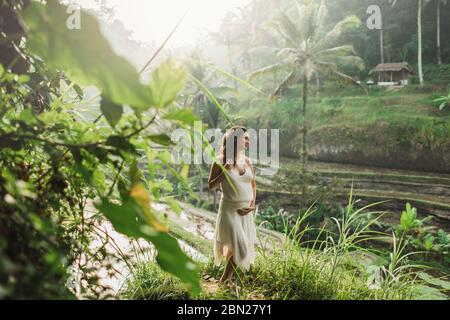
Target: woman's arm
{"points": [[216, 176]]}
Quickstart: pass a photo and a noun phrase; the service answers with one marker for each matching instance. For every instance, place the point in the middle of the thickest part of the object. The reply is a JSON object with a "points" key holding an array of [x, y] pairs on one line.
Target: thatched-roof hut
{"points": [[393, 73]]}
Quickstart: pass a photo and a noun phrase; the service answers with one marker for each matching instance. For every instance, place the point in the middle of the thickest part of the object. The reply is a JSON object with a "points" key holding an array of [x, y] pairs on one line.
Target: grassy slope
{"points": [[385, 118], [391, 106]]}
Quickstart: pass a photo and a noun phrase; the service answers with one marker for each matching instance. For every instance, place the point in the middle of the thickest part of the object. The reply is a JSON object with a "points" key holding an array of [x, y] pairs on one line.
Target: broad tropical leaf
{"points": [[184, 115], [130, 220], [167, 81], [84, 54], [135, 218], [112, 111]]}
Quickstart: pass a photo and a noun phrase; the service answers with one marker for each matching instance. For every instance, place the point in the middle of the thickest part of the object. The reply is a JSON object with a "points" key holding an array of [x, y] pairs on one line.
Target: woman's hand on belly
{"points": [[245, 211]]}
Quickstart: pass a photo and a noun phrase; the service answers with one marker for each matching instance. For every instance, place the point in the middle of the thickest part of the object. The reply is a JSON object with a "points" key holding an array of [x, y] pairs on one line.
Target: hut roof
{"points": [[383, 67]]}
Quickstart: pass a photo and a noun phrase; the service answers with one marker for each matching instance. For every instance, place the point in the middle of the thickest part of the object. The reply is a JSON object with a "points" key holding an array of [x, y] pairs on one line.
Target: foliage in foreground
{"points": [[287, 275], [149, 282], [319, 270], [62, 151], [443, 101]]}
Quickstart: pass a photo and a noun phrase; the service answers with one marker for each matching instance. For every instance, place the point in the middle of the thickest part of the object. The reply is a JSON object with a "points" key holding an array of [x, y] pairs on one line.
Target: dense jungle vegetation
{"points": [[93, 205]]}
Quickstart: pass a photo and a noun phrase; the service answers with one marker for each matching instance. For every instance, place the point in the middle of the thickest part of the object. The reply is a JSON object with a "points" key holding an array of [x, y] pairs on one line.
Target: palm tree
{"points": [[419, 36], [308, 49], [206, 91], [438, 21]]}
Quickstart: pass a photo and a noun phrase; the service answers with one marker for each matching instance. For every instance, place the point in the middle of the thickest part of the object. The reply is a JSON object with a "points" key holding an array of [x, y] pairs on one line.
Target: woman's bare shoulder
{"points": [[216, 161]]}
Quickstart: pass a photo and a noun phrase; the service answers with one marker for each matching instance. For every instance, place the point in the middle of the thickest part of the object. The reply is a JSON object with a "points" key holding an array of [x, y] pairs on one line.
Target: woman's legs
{"points": [[228, 268]]}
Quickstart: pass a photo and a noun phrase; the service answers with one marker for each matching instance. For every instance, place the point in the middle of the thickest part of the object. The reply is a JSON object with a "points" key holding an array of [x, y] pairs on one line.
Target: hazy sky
{"points": [[152, 20]]}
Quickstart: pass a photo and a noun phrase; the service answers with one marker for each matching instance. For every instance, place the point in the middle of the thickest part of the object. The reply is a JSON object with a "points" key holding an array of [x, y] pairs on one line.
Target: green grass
{"points": [[286, 275], [321, 270], [290, 274], [361, 111], [149, 282], [337, 267]]}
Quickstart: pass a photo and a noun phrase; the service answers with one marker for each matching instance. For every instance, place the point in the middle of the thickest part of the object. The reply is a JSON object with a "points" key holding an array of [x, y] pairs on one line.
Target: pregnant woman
{"points": [[235, 233]]}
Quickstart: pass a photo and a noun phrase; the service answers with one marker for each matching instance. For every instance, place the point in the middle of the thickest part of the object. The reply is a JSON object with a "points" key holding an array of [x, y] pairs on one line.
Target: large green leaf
{"points": [[167, 81], [84, 54], [130, 220], [121, 143], [161, 139], [112, 111], [185, 115]]}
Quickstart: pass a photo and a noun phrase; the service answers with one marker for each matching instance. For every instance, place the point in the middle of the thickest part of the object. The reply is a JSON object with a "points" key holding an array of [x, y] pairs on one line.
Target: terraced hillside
{"points": [[428, 192], [400, 128]]}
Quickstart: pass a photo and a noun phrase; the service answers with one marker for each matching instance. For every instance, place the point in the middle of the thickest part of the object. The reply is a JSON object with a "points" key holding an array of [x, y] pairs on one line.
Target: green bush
{"points": [[60, 155], [433, 74]]}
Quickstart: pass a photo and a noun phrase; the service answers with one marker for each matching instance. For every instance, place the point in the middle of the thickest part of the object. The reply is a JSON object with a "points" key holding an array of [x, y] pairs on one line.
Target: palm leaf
{"points": [[222, 91], [211, 96], [286, 51], [263, 50], [352, 80], [284, 84], [289, 28], [269, 70], [332, 36], [349, 61], [341, 50]]}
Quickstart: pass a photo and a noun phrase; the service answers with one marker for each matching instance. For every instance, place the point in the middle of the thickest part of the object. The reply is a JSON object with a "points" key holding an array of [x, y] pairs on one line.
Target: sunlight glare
{"points": [[152, 20]]}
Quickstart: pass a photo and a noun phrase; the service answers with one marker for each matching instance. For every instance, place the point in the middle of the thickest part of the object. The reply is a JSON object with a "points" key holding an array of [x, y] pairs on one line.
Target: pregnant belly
{"points": [[243, 192]]}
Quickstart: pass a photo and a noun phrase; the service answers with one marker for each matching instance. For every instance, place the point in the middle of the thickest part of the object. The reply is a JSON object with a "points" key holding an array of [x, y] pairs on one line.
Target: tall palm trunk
{"points": [[304, 129], [201, 181], [304, 152], [382, 42], [438, 18], [419, 31]]}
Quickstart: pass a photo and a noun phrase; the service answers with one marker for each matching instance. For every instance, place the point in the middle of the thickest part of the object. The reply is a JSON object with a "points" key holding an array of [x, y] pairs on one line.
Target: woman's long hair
{"points": [[236, 133]]}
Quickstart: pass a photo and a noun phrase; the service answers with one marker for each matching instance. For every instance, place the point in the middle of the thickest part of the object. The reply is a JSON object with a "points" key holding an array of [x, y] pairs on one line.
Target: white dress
{"points": [[233, 231]]}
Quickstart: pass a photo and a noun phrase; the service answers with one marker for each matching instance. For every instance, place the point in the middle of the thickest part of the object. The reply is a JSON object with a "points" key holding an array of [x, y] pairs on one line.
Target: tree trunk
{"points": [[317, 81], [304, 129], [201, 182], [304, 152], [419, 34], [381, 43], [439, 57]]}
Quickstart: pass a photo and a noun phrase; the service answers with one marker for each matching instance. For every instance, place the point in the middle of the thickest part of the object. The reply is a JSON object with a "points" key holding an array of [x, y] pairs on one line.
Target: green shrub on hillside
{"points": [[434, 74]]}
